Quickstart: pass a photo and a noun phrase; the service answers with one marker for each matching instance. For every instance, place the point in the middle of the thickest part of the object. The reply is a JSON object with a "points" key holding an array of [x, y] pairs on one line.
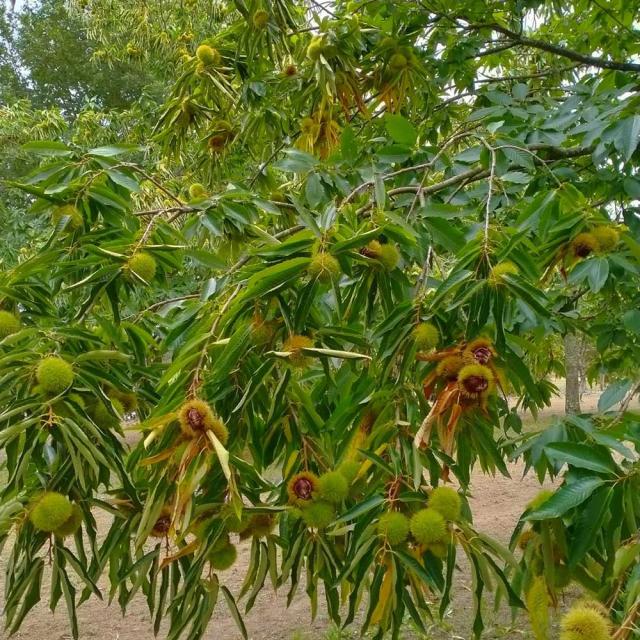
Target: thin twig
{"points": [[624, 406], [265, 164], [156, 305], [423, 277], [417, 167], [487, 214], [195, 382], [151, 179], [153, 212], [320, 6]]}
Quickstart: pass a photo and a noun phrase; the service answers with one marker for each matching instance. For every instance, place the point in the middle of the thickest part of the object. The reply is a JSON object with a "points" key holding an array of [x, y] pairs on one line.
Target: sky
{"points": [[18, 4]]}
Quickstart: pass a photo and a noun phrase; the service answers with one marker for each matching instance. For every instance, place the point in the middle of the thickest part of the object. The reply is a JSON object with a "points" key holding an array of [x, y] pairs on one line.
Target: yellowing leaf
{"points": [[384, 596], [366, 465], [222, 453]]}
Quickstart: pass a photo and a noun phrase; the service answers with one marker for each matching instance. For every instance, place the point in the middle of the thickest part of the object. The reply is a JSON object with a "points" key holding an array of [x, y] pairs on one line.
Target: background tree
{"points": [[319, 272]]}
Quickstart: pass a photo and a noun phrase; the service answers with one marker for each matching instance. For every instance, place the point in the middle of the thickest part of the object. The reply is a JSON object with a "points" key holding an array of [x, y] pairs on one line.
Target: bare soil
{"points": [[497, 503]]}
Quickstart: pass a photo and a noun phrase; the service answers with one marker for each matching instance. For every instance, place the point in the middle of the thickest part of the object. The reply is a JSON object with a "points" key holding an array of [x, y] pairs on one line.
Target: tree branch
{"points": [[529, 76], [416, 167], [473, 175], [558, 50], [560, 153], [157, 305], [488, 52], [154, 212]]}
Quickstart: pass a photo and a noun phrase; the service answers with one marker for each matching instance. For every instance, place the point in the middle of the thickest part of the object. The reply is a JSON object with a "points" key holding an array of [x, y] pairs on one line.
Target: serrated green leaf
{"points": [[582, 456], [566, 498], [614, 394], [400, 129], [588, 525]]}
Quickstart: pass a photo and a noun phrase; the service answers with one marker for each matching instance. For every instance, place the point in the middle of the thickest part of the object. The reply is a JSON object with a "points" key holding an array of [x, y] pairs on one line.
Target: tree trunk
{"points": [[572, 366]]}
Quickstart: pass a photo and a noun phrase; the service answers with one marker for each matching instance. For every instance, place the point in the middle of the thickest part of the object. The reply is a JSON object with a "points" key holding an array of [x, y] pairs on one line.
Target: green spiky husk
{"points": [[294, 344], [447, 502], [394, 527], [50, 511], [143, 265], [607, 238], [9, 324], [223, 558], [128, 399], [428, 526], [324, 267], [208, 56], [260, 19], [259, 525], [233, 524], [389, 256], [526, 537], [584, 623], [262, 331], [104, 418], [54, 374], [349, 469], [498, 271], [197, 191], [537, 601], [398, 61], [72, 212], [71, 524], [426, 336], [333, 487], [450, 366], [318, 515], [316, 48]]}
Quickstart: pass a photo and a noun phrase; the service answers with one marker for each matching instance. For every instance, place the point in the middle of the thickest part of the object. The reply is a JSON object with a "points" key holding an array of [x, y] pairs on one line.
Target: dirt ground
{"points": [[497, 503]]}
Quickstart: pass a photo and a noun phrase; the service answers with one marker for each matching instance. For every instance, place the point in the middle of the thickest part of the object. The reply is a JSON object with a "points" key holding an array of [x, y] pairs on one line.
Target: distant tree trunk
{"points": [[572, 365]]}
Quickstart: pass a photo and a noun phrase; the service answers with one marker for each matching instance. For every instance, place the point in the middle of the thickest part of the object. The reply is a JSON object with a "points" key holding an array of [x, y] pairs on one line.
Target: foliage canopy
{"points": [[320, 258]]}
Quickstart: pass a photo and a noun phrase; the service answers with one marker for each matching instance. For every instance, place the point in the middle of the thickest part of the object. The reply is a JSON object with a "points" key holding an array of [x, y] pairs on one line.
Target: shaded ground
{"points": [[497, 503]]}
